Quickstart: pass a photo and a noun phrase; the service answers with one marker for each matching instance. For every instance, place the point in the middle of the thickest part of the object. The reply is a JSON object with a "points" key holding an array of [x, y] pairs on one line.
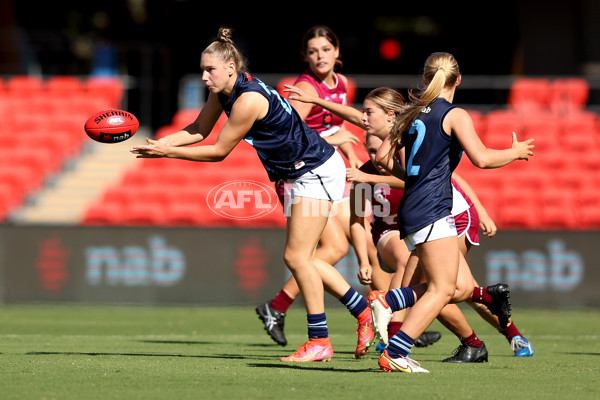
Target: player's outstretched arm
{"points": [[198, 130], [246, 110], [347, 113], [460, 124]]}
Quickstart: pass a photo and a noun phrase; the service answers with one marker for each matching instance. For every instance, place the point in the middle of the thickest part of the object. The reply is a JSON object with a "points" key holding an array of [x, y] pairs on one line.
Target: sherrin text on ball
{"points": [[111, 126]]}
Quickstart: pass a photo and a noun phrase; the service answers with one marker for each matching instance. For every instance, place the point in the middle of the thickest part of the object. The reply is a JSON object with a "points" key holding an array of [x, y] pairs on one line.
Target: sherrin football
{"points": [[111, 126]]}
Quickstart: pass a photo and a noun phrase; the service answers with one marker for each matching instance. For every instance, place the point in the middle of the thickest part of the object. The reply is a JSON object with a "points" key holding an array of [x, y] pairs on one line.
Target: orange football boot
{"points": [[314, 350]]}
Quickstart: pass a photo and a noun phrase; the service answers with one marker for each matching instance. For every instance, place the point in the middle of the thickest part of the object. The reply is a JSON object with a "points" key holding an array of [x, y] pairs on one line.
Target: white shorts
{"points": [[459, 203], [442, 228], [326, 182]]}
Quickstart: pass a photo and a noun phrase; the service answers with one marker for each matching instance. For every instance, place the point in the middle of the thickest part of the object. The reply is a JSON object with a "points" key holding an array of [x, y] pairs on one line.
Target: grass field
{"points": [[122, 352]]}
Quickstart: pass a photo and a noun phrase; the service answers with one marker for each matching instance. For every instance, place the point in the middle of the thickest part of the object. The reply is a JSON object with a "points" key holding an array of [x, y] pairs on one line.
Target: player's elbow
{"points": [[481, 162], [382, 161], [208, 158], [219, 154]]}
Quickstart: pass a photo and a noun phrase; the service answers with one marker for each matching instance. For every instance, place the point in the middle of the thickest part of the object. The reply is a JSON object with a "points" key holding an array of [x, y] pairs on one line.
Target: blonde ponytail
{"points": [[440, 71]]}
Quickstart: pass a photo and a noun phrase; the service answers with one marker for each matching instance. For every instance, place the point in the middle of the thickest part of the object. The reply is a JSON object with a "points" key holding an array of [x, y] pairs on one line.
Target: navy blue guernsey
{"points": [[287, 147], [431, 156]]}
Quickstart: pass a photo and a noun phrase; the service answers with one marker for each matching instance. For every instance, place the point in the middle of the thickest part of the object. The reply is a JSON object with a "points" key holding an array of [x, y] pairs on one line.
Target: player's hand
{"points": [[487, 224], [355, 175], [341, 137], [154, 149], [524, 149], [365, 273], [295, 93]]}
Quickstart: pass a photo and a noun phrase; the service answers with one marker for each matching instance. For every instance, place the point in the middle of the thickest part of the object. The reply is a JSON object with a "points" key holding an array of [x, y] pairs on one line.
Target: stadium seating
{"points": [[110, 89], [64, 87], [587, 202], [567, 139], [589, 162], [518, 209], [571, 179], [544, 128], [558, 179], [103, 213], [489, 199], [24, 86], [146, 213], [526, 179], [172, 192], [182, 213], [578, 131], [528, 95], [10, 197], [550, 161], [498, 128], [136, 178], [31, 152], [556, 209], [118, 194], [587, 197], [568, 95], [181, 118]]}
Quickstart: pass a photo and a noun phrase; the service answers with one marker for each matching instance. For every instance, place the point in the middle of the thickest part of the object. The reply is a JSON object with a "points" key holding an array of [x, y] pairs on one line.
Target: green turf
{"points": [[91, 352]]}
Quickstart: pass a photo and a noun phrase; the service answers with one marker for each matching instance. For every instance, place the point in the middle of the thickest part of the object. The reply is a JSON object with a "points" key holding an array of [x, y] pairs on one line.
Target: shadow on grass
{"points": [[350, 353], [177, 342], [217, 356], [303, 366], [277, 364], [259, 345], [310, 367], [264, 345]]}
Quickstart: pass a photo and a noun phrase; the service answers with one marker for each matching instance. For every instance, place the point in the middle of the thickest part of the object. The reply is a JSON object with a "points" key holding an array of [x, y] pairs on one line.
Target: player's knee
{"points": [[333, 251], [462, 293], [445, 293], [339, 250], [294, 260]]}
